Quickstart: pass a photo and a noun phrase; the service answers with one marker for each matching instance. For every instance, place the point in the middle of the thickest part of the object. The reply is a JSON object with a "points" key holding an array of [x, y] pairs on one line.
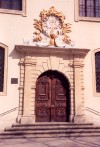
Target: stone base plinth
{"points": [[71, 118], [79, 119], [27, 120]]}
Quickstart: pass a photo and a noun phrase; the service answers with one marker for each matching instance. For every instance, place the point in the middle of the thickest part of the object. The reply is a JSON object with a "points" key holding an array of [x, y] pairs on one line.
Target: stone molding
{"points": [[51, 50]]}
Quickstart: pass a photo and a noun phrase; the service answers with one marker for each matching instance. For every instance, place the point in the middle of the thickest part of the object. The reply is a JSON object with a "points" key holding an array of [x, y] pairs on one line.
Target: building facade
{"points": [[49, 61]]}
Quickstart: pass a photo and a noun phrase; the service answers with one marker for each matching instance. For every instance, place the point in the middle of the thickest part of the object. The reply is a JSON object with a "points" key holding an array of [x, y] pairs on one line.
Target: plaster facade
{"points": [[17, 30]]}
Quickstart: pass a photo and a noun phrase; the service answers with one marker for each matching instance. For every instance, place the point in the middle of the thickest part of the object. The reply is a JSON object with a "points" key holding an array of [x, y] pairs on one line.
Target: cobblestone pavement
{"points": [[52, 142]]}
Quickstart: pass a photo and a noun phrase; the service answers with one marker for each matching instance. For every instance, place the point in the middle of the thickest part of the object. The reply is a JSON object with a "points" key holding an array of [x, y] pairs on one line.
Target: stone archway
{"points": [[37, 60], [52, 101]]}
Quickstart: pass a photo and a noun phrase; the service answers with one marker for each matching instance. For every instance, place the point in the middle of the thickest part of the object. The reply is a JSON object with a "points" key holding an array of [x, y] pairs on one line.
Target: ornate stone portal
{"points": [[51, 51], [37, 60]]}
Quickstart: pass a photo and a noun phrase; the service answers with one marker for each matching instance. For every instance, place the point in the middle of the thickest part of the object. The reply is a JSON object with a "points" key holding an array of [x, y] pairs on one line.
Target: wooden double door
{"points": [[52, 101]]}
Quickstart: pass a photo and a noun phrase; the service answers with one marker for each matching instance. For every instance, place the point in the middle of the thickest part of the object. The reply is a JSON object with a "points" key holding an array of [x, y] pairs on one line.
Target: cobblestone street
{"points": [[52, 142]]}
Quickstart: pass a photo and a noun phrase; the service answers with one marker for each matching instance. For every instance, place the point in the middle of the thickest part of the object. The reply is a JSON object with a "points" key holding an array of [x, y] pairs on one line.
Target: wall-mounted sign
{"points": [[14, 80]]}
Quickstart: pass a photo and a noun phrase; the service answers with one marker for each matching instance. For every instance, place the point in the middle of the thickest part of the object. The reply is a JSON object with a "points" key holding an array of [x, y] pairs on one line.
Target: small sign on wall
{"points": [[14, 80]]}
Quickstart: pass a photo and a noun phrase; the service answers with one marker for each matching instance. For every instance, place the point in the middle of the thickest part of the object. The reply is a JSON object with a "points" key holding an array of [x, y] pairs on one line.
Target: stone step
{"points": [[33, 128], [54, 131], [53, 135], [50, 130], [53, 124]]}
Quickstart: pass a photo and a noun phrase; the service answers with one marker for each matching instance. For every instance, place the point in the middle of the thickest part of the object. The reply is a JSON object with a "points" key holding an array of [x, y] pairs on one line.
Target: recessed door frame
{"points": [[52, 101]]}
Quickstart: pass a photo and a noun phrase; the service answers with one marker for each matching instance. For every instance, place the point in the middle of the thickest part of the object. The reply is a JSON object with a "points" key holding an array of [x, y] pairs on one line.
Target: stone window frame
{"points": [[5, 69], [81, 18], [94, 72], [16, 12]]}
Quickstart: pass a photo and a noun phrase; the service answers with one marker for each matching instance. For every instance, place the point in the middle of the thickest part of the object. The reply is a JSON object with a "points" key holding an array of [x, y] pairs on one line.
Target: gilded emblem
{"points": [[51, 30]]}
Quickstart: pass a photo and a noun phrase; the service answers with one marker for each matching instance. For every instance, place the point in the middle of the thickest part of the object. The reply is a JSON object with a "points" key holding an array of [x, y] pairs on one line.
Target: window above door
{"points": [[88, 10], [13, 6]]}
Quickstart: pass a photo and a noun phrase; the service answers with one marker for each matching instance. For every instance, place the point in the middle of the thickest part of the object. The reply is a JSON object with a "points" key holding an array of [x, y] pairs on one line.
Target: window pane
{"points": [[5, 4], [97, 8], [89, 8], [97, 66], [17, 4], [11, 4], [2, 55], [97, 60], [82, 8]]}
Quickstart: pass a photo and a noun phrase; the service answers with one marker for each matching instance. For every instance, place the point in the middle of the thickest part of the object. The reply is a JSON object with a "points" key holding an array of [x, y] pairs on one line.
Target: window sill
{"points": [[3, 93], [15, 12], [91, 19], [96, 94]]}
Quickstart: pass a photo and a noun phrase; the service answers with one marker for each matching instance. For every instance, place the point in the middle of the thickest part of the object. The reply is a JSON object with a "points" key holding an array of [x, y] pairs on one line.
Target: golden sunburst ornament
{"points": [[51, 29]]}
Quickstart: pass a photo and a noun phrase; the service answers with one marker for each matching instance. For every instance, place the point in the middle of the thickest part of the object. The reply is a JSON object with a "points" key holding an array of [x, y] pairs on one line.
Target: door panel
{"points": [[59, 100], [51, 101], [42, 100]]}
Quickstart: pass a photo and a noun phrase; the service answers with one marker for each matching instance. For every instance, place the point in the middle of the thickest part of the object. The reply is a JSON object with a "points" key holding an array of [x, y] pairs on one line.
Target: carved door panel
{"points": [[58, 102], [51, 102], [42, 100]]}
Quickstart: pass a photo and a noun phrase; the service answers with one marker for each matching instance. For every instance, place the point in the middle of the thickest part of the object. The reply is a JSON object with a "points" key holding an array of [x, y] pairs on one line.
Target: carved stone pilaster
{"points": [[72, 107], [78, 84], [27, 91]]}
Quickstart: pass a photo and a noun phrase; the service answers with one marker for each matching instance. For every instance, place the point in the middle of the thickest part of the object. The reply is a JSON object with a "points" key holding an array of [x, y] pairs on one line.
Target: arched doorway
{"points": [[52, 102]]}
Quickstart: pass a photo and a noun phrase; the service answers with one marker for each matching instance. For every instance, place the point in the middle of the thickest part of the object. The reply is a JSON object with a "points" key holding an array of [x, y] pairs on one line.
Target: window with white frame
{"points": [[13, 6], [87, 10], [97, 71], [2, 56], [3, 69]]}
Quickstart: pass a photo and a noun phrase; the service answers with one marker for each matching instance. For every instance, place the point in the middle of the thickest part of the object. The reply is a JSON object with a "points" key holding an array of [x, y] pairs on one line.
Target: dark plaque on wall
{"points": [[14, 80]]}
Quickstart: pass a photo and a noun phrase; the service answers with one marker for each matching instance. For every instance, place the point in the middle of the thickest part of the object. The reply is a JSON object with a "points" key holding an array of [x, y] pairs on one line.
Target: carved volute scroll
{"points": [[51, 30]]}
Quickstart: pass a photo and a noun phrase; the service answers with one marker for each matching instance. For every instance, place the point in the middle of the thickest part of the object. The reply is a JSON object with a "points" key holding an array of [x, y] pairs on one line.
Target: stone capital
{"points": [[78, 64], [29, 61]]}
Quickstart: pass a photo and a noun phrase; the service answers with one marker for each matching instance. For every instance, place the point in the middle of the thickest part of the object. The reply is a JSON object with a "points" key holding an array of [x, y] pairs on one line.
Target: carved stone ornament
{"points": [[51, 29]]}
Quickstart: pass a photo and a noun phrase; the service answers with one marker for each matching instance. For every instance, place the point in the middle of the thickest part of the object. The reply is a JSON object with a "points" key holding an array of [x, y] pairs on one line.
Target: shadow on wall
{"points": [[92, 111], [14, 54], [10, 117]]}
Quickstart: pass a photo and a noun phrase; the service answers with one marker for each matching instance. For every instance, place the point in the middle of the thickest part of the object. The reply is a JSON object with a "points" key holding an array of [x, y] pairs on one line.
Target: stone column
{"points": [[27, 91], [78, 83], [71, 79], [72, 112]]}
